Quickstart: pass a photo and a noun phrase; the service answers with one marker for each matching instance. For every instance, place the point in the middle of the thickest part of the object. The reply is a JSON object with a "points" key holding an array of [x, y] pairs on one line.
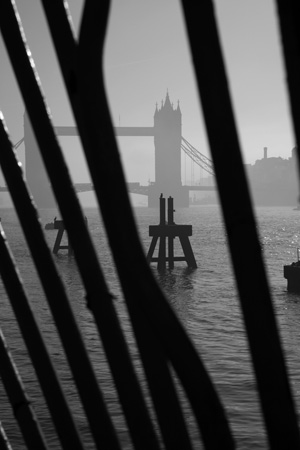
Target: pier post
{"points": [[161, 264], [60, 226], [170, 211], [170, 237], [162, 210], [169, 231]]}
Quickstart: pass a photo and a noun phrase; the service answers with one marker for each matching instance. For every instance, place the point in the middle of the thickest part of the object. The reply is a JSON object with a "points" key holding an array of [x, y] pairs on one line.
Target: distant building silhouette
{"points": [[273, 180]]}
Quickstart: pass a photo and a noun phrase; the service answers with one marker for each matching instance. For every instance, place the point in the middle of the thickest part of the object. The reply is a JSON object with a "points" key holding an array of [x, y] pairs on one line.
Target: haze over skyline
{"points": [[146, 55]]}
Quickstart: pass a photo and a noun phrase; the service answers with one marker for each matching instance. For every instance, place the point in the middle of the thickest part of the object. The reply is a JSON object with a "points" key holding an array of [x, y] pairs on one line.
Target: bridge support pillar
{"points": [[36, 176]]}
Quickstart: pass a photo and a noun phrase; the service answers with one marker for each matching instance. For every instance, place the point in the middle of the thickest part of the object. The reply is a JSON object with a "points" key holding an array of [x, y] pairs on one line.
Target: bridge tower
{"points": [[36, 176], [167, 143]]}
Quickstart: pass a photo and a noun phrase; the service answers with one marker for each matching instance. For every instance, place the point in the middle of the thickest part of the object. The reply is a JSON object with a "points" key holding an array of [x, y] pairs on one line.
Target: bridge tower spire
{"points": [[167, 142]]}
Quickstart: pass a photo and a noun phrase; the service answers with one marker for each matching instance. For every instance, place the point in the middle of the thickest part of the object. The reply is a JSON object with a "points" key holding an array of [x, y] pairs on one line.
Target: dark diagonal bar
{"points": [[166, 395], [98, 295], [266, 351], [77, 357], [37, 350], [288, 18], [196, 379], [145, 299], [20, 403]]}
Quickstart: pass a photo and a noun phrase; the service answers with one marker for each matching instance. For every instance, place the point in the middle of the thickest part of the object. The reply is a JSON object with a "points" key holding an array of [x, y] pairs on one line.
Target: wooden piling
{"points": [[60, 226], [167, 232]]}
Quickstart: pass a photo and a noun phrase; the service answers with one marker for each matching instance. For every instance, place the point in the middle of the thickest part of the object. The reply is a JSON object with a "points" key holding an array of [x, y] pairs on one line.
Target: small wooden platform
{"points": [[292, 274], [166, 232], [60, 226]]}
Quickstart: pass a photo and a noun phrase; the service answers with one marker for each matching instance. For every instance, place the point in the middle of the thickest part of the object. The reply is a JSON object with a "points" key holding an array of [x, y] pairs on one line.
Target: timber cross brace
{"points": [[168, 230], [60, 227]]}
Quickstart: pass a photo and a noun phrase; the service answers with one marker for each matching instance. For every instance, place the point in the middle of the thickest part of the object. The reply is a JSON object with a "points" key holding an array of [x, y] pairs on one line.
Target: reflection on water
{"points": [[178, 286]]}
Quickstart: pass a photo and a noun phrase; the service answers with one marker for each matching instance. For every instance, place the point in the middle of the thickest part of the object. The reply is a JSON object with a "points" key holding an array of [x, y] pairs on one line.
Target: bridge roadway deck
{"points": [[119, 131], [134, 188], [200, 188]]}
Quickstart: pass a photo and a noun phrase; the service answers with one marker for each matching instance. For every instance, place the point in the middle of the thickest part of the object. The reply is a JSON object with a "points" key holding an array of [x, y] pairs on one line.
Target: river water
{"points": [[205, 300]]}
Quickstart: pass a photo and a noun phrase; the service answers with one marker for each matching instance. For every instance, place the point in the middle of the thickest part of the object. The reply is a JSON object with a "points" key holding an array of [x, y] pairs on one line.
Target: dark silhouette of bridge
{"points": [[168, 146]]}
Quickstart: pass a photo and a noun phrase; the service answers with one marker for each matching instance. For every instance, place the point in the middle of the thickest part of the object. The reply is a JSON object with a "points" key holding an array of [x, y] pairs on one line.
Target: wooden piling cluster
{"points": [[166, 232], [60, 226]]}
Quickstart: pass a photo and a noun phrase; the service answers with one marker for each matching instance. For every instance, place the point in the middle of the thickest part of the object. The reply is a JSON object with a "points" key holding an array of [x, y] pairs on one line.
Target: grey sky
{"points": [[146, 54]]}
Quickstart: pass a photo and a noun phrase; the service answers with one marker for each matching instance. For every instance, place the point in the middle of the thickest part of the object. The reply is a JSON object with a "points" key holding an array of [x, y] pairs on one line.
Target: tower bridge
{"points": [[168, 147]]}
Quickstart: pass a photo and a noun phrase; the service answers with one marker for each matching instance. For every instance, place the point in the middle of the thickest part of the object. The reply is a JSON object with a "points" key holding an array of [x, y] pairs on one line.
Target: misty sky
{"points": [[146, 55]]}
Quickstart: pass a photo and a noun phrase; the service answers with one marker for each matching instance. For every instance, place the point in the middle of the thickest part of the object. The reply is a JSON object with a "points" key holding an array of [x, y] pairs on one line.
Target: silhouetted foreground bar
{"points": [[158, 331], [37, 349], [169, 231], [20, 403], [77, 357], [161, 339], [99, 299], [272, 381], [288, 18]]}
